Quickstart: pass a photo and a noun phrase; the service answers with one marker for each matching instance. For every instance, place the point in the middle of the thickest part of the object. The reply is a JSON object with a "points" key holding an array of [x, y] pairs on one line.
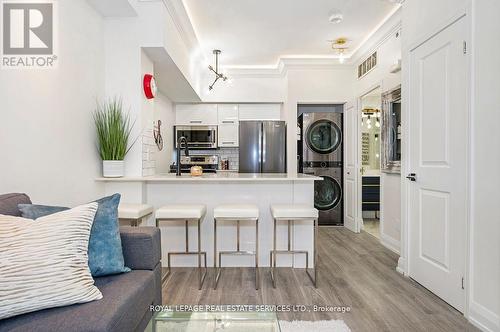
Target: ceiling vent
{"points": [[366, 66]]}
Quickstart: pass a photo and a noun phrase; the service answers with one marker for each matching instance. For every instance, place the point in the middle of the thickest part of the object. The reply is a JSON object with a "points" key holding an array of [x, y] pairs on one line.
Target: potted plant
{"points": [[113, 128]]}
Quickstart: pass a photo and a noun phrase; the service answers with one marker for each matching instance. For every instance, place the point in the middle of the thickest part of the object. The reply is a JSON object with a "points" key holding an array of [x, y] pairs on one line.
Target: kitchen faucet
{"points": [[181, 140]]}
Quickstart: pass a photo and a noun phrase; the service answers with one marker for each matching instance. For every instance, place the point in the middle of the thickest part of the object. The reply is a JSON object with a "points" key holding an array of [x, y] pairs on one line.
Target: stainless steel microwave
{"points": [[198, 137]]}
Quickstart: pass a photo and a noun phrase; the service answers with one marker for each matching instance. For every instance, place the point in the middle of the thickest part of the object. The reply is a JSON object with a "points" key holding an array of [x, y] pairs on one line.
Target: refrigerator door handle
{"points": [[261, 147]]}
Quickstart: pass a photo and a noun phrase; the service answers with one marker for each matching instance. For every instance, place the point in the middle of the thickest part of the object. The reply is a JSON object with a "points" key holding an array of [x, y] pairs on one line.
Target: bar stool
{"points": [[236, 212], [291, 213], [134, 212], [185, 212]]}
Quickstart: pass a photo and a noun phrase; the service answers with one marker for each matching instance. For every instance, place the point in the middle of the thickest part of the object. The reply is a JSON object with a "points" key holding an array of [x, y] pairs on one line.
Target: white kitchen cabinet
{"points": [[228, 135], [259, 112], [196, 114], [228, 113]]}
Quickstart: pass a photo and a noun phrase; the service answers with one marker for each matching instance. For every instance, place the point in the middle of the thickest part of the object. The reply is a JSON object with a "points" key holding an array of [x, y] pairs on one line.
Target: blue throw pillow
{"points": [[105, 245]]}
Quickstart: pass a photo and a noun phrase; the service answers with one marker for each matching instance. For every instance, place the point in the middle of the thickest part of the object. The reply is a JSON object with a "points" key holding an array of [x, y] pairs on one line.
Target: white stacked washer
{"points": [[323, 156]]}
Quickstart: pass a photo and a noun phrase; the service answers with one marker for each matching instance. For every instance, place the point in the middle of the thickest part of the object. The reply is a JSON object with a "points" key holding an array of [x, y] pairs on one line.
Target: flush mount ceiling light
{"points": [[215, 70], [335, 16], [340, 47]]}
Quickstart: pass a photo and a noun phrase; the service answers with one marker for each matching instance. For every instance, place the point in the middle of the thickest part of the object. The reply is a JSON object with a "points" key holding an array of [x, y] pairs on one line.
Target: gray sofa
{"points": [[127, 297]]}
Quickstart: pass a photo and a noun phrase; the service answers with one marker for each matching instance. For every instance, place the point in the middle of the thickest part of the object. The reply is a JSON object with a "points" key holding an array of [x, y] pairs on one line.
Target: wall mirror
{"points": [[391, 131]]}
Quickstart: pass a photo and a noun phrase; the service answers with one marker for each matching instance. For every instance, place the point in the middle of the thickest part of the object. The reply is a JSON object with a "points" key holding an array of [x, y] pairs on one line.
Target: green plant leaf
{"points": [[113, 128]]}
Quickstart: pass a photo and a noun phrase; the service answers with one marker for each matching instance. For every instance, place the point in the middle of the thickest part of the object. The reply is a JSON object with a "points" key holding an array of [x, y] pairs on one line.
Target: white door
{"points": [[351, 179], [438, 137]]}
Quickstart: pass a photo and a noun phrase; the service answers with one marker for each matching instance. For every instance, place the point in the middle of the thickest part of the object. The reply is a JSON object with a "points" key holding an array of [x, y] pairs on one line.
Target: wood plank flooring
{"points": [[356, 271]]}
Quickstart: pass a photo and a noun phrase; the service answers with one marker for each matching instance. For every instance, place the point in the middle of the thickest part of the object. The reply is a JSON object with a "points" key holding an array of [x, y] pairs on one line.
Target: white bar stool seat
{"points": [[291, 213], [181, 211], [186, 212], [134, 212], [236, 212]]}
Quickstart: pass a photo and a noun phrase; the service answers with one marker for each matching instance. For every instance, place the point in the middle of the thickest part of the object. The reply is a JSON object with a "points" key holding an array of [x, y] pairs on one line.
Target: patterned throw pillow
{"points": [[105, 246], [44, 263]]}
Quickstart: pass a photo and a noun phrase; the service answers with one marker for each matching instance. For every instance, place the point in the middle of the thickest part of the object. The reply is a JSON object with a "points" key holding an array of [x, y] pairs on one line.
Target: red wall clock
{"points": [[149, 85]]}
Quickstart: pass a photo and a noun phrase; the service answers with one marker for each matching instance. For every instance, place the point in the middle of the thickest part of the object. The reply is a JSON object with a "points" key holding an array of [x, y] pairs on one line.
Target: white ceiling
{"points": [[259, 32]]}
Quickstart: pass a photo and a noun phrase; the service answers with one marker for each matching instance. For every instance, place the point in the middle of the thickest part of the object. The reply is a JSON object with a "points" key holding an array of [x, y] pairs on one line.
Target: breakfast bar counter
{"points": [[213, 189], [219, 176]]}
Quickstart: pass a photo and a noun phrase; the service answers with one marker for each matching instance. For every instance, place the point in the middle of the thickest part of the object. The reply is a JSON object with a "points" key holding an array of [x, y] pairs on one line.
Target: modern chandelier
{"points": [[218, 75]]}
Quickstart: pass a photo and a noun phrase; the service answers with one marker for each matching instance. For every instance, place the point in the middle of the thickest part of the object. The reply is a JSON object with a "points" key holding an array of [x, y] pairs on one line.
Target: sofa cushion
{"points": [[105, 247], [8, 203], [44, 263], [126, 298]]}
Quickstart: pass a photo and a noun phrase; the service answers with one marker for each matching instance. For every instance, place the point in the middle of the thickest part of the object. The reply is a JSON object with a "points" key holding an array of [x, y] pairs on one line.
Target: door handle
{"points": [[412, 177]]}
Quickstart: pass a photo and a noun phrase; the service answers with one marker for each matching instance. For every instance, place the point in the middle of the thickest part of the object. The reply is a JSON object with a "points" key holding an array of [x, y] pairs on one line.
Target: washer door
{"points": [[327, 193], [323, 136]]}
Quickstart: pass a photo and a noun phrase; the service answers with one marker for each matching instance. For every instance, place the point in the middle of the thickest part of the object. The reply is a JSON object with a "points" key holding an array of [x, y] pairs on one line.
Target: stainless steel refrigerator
{"points": [[262, 147]]}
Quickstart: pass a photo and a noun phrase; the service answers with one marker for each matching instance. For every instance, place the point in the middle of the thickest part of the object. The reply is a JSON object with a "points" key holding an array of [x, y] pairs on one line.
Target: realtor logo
{"points": [[27, 34]]}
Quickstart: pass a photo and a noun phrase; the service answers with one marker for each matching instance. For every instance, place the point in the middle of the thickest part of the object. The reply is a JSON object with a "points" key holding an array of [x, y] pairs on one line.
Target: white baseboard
{"points": [[401, 268], [390, 243], [483, 318]]}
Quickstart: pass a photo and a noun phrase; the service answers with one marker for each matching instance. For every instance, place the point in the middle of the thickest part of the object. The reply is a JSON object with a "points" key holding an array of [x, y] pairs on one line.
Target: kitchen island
{"points": [[213, 189]]}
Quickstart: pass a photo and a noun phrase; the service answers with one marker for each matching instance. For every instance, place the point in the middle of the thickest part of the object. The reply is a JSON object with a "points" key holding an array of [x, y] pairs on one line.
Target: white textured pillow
{"points": [[44, 262]]}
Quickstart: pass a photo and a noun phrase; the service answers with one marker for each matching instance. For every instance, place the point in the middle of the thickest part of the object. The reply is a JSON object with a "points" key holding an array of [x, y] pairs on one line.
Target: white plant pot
{"points": [[113, 168]]}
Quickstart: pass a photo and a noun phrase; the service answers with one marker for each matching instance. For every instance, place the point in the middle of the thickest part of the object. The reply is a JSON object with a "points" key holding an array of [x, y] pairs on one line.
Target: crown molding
{"points": [[180, 17], [375, 40], [384, 33], [286, 64]]}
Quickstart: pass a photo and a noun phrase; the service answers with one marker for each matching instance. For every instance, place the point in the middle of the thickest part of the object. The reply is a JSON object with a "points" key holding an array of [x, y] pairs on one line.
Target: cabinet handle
{"points": [[227, 121], [232, 143], [195, 121]]}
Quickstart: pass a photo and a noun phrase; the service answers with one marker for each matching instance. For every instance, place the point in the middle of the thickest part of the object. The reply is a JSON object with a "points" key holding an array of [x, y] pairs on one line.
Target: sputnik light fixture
{"points": [[215, 70]]}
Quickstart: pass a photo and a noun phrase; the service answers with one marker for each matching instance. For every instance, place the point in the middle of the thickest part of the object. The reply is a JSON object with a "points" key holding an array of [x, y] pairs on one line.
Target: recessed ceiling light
{"points": [[335, 17]]}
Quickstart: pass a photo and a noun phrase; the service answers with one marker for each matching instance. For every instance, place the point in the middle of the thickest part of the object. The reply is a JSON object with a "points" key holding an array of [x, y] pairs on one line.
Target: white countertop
{"points": [[216, 177]]}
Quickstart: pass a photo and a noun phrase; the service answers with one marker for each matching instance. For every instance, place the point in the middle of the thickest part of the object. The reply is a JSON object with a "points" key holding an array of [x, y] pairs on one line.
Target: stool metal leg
{"points": [[215, 255], [273, 255], [289, 250], [257, 255], [218, 270], [200, 275], [315, 255], [187, 252]]}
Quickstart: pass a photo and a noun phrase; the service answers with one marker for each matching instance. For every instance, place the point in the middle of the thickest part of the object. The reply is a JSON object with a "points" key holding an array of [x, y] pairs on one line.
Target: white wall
{"points": [[47, 135], [164, 111], [422, 17], [147, 117], [321, 86], [126, 63], [388, 53], [243, 89], [485, 222]]}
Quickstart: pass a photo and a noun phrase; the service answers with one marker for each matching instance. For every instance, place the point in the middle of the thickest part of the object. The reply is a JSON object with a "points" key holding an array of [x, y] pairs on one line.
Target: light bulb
{"points": [[377, 124], [369, 121], [369, 126], [341, 58]]}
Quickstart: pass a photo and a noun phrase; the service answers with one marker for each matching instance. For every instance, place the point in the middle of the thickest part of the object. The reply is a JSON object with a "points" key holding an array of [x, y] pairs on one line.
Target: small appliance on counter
{"points": [[208, 164]]}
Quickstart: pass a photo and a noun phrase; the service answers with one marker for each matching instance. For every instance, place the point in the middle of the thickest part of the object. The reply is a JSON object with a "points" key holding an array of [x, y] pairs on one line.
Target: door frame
{"points": [[359, 205], [404, 260]]}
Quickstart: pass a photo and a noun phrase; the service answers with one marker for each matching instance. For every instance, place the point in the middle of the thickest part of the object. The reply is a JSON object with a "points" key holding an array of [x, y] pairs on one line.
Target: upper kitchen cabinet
{"points": [[259, 112], [228, 113], [196, 114]]}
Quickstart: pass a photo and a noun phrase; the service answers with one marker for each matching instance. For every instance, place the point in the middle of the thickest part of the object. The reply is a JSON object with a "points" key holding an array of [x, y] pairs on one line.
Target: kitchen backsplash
{"points": [[230, 153], [148, 152]]}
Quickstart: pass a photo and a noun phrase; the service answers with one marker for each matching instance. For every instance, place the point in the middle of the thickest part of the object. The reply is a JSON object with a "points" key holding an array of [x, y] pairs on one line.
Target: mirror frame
{"points": [[388, 98]]}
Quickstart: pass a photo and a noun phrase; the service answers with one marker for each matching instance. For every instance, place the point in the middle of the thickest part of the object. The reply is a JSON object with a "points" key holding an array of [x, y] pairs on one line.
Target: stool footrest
{"points": [[237, 252]]}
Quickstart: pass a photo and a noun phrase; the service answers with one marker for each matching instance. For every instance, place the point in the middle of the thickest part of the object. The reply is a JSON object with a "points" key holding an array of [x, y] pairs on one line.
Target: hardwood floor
{"points": [[356, 271]]}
